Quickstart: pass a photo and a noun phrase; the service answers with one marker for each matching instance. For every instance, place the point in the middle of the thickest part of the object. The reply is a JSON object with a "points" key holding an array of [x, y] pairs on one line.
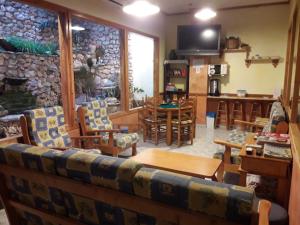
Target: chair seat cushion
{"points": [[262, 121], [237, 136], [122, 140], [176, 121], [234, 158]]}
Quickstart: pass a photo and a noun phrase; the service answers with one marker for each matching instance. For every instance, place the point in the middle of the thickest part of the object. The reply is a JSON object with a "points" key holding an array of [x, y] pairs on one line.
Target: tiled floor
{"points": [[203, 146]]}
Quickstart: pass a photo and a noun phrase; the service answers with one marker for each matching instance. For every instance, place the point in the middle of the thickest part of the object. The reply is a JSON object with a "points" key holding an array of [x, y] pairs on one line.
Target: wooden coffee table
{"points": [[190, 165]]}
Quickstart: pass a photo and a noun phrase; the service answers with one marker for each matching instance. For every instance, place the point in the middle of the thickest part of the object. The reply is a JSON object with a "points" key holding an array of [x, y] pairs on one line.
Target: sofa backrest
{"points": [[46, 127], [96, 189]]}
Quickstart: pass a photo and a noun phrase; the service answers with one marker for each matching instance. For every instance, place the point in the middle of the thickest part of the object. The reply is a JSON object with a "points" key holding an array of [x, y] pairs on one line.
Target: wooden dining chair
{"points": [[183, 124], [193, 101], [154, 122]]}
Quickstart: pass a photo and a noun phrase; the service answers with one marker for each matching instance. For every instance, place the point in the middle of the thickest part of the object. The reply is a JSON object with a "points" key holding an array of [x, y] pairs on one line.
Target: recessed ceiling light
{"points": [[77, 28], [141, 9], [205, 14]]}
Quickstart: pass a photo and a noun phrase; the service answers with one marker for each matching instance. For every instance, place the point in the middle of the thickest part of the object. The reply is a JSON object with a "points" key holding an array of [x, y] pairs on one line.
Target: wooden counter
{"points": [[250, 98], [212, 102]]}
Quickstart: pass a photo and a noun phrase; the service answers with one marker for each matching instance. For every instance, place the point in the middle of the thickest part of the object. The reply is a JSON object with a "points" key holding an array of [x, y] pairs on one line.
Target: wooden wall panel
{"points": [[294, 204], [198, 79], [201, 109]]}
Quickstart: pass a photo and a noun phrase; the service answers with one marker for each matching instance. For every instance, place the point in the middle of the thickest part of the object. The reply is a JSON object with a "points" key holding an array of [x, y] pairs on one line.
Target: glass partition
{"points": [[140, 68], [97, 62]]}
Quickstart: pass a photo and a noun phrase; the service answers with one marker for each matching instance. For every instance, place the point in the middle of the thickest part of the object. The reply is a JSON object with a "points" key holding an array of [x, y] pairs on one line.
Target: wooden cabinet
{"points": [[199, 85]]}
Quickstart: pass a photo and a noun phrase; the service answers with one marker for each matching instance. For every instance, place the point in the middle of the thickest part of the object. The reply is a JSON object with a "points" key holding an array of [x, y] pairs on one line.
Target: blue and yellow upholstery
{"points": [[47, 127], [89, 211], [96, 118], [115, 173], [29, 157], [230, 202], [277, 115], [234, 156], [36, 195]]}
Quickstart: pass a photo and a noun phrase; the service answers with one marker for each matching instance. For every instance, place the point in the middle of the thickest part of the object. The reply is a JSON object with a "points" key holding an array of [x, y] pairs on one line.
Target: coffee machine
{"points": [[214, 87]]}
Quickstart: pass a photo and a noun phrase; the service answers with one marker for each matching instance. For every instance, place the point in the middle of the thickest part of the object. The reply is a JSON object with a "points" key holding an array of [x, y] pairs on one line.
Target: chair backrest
{"points": [[150, 108], [46, 127], [93, 116], [186, 110], [277, 122]]}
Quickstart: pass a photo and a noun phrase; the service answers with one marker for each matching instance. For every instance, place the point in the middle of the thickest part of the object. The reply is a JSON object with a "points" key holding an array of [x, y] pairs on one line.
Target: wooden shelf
{"points": [[178, 61], [268, 59], [239, 50]]}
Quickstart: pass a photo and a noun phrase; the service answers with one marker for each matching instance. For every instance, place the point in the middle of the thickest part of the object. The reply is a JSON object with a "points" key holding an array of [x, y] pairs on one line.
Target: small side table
{"points": [[265, 166]]}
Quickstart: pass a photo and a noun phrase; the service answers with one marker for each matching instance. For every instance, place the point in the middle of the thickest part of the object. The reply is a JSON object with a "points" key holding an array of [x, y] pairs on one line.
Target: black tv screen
{"points": [[198, 38]]}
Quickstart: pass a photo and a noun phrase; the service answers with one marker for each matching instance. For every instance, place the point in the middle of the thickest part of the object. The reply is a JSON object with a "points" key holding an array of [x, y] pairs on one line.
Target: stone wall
{"points": [[42, 72], [21, 20]]}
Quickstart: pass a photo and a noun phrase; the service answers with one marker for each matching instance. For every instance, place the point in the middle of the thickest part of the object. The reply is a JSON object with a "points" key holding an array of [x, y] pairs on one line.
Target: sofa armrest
{"points": [[227, 143], [264, 208]]}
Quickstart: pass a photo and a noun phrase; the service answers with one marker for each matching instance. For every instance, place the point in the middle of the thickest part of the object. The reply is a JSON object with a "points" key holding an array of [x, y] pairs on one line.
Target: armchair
{"points": [[237, 137], [94, 120], [45, 127]]}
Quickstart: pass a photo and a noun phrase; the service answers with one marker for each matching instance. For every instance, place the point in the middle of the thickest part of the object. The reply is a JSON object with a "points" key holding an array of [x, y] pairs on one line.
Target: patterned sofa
{"points": [[237, 137], [41, 186]]}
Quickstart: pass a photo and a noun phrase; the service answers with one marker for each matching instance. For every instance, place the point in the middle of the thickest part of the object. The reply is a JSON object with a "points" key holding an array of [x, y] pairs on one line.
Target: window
{"points": [[140, 68], [29, 62], [97, 63]]}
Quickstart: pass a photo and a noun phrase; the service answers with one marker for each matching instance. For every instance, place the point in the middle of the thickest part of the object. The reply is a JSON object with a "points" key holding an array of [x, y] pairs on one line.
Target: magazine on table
{"points": [[273, 138], [279, 152]]}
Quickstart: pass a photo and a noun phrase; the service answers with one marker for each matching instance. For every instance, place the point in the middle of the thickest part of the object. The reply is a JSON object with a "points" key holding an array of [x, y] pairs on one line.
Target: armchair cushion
{"points": [[122, 140], [96, 117], [277, 115], [216, 199], [237, 136], [47, 127]]}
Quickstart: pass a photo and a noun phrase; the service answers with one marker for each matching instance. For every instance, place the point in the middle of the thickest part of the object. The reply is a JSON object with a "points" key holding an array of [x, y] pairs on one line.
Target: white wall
{"points": [[263, 28]]}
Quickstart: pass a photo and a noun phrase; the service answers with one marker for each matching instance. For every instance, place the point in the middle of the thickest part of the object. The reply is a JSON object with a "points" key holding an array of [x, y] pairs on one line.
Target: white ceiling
{"points": [[185, 6]]}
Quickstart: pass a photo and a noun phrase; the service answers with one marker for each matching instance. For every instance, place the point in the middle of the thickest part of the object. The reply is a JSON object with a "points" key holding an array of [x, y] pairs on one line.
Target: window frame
{"points": [[66, 57]]}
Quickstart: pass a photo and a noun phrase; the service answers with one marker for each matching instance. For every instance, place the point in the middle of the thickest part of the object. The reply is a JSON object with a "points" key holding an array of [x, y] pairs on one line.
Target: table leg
{"points": [[243, 177], [220, 173], [283, 192], [169, 128]]}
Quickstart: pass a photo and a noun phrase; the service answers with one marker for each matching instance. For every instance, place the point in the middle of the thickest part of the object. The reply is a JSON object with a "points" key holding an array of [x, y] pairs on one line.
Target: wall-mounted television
{"points": [[198, 40]]}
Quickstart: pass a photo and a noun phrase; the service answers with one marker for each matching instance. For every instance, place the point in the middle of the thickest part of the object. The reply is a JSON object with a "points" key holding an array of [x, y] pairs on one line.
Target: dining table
{"points": [[170, 110]]}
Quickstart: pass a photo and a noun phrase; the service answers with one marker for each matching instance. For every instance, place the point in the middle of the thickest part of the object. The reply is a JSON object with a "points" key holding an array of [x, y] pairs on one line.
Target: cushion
{"points": [[27, 218], [89, 211], [96, 116], [36, 195], [277, 115], [237, 136], [122, 140], [233, 203], [47, 127], [29, 157], [115, 173]]}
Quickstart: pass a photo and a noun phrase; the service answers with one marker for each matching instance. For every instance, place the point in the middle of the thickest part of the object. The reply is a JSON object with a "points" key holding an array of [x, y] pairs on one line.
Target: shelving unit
{"points": [[268, 59], [177, 72]]}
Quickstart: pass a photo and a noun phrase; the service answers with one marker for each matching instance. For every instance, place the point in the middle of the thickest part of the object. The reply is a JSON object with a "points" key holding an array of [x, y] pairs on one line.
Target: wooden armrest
{"points": [[124, 125], [87, 137], [264, 208], [105, 131], [227, 143]]}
